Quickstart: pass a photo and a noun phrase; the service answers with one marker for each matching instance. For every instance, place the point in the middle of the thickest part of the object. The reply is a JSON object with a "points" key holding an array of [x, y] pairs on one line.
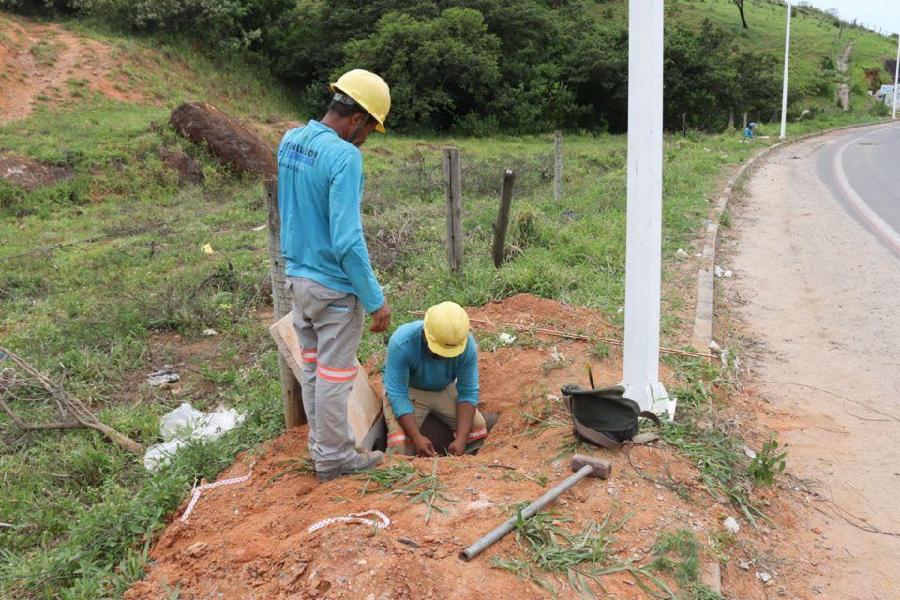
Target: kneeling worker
{"points": [[432, 368]]}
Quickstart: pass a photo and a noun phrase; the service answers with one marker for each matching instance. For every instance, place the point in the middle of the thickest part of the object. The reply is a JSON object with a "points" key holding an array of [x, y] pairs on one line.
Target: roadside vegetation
{"points": [[99, 315], [522, 66]]}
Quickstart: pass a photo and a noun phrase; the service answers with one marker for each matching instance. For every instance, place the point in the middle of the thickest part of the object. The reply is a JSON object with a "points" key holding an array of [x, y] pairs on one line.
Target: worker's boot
{"points": [[490, 419], [361, 462]]}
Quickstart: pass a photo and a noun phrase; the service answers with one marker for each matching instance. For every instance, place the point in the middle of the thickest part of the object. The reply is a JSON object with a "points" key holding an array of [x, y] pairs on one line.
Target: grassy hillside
{"points": [[817, 41], [102, 314]]}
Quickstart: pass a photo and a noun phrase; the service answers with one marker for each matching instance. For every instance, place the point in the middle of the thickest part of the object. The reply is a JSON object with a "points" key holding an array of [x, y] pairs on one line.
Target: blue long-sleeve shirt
{"points": [[320, 185], [409, 364]]}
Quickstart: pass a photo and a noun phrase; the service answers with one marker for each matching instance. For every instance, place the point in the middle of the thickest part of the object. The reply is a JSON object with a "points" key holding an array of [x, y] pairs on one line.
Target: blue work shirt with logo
{"points": [[409, 364], [320, 186]]}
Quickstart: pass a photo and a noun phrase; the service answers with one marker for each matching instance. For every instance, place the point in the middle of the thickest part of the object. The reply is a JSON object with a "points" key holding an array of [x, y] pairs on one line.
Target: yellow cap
{"points": [[447, 329], [369, 91]]}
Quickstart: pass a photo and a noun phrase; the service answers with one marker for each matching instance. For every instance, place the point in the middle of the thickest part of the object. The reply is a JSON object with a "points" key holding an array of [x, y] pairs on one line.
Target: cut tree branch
{"points": [[66, 403]]}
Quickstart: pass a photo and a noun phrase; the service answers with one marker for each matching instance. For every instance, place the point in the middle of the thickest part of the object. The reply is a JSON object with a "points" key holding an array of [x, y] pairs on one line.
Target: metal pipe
{"points": [[487, 541]]}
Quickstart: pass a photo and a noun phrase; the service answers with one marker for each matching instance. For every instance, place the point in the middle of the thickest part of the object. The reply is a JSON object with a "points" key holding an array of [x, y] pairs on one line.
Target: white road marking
{"points": [[878, 226]]}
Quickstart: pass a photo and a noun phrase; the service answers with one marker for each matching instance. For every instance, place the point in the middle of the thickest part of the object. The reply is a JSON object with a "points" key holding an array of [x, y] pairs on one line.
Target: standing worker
{"points": [[432, 368], [748, 132], [320, 186]]}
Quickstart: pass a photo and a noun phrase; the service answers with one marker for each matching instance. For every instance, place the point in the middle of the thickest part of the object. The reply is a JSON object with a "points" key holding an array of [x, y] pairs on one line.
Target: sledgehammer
{"points": [[583, 466]]}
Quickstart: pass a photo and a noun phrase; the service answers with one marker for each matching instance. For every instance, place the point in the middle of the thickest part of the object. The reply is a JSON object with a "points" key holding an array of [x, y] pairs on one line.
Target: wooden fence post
{"points": [[291, 396], [684, 124], [509, 179], [453, 193], [745, 122], [557, 166], [730, 120]]}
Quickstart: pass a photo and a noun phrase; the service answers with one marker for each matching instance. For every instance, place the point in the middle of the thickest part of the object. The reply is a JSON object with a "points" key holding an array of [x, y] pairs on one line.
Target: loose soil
{"points": [[249, 540], [31, 174], [814, 306]]}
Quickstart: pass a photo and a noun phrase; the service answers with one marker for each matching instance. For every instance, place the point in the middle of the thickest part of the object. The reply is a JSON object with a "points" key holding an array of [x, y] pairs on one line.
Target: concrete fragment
{"points": [[731, 525]]}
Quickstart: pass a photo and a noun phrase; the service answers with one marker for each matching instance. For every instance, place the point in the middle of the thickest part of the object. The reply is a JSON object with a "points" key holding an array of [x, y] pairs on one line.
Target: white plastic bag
{"points": [[186, 423]]}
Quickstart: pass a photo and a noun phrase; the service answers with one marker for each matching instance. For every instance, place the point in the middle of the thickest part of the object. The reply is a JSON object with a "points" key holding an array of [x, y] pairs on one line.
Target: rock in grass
{"points": [[228, 139], [189, 170]]}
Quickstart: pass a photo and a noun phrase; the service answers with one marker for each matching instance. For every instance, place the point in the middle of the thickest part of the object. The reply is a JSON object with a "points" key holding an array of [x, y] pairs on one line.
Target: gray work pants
{"points": [[329, 327]]}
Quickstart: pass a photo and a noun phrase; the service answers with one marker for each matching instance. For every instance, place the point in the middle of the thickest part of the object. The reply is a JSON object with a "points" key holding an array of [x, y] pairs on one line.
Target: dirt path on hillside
{"points": [[44, 63], [843, 63], [818, 295]]}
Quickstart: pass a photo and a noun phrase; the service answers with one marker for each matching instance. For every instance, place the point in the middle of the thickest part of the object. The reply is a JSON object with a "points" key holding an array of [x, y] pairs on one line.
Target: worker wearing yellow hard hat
{"points": [[320, 186], [431, 368], [369, 91]]}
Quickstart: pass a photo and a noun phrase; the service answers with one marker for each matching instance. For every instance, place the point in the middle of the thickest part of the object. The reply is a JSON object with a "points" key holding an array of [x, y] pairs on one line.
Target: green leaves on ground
{"points": [[551, 550], [768, 463], [678, 553], [403, 479]]}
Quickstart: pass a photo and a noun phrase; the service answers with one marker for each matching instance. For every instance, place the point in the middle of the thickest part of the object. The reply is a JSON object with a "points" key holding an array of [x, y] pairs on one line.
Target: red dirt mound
{"points": [[250, 540]]}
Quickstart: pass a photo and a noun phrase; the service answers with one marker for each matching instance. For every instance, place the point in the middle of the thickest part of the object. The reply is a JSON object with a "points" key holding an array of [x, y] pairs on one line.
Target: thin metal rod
{"points": [[532, 509]]}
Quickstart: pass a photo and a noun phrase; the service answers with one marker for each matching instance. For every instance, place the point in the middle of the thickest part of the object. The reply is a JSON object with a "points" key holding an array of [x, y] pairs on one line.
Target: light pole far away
{"points": [[643, 235], [896, 77], [787, 55]]}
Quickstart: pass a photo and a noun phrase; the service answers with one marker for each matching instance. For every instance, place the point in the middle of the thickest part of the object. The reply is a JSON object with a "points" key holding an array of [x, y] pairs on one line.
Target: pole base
{"points": [[652, 397]]}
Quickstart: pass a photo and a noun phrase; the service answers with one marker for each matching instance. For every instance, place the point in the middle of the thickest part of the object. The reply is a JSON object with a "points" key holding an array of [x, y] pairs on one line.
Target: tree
{"points": [[740, 5], [441, 70]]}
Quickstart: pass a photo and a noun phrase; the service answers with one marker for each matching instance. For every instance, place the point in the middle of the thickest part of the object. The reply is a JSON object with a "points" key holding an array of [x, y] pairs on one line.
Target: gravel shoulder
{"points": [[816, 295]]}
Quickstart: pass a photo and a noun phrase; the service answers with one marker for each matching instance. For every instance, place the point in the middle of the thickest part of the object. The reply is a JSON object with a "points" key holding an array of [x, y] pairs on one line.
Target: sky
{"points": [[883, 14]]}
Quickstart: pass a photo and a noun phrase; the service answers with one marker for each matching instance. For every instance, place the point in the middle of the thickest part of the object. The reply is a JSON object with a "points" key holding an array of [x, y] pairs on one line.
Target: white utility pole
{"points": [[896, 77], [643, 235], [787, 55]]}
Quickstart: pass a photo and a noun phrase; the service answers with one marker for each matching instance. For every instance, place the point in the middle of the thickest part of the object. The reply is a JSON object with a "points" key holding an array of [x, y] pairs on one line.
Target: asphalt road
{"points": [[862, 170]]}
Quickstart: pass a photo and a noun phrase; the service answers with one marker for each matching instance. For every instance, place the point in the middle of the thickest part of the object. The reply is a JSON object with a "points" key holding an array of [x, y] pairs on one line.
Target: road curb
{"points": [[703, 316]]}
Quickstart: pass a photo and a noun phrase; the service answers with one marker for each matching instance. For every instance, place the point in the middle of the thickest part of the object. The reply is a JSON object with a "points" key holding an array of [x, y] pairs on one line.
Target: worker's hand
{"points": [[423, 446], [381, 318], [457, 447]]}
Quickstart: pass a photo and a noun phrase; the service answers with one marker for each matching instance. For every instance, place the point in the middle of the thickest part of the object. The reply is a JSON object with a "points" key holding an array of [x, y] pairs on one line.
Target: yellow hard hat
{"points": [[369, 91], [447, 329]]}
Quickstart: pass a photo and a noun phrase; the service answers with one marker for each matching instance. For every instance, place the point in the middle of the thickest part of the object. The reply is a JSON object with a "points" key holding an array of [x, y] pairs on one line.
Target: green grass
{"points": [[387, 478], [677, 553], [88, 312], [426, 489], [551, 554], [45, 52]]}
